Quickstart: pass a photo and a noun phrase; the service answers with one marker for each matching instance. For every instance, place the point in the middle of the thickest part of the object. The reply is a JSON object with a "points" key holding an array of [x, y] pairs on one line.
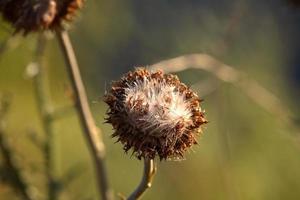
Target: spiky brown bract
{"points": [[153, 113], [67, 10], [36, 15], [29, 15]]}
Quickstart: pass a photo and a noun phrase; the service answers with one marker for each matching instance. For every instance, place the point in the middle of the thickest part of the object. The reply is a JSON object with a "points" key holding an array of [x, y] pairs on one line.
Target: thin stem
{"points": [[4, 46], [42, 99], [8, 44], [147, 179], [260, 95], [13, 171], [92, 133]]}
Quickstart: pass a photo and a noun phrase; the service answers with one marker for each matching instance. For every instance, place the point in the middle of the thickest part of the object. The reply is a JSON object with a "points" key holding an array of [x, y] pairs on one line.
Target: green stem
{"points": [[43, 103], [13, 171], [147, 179]]}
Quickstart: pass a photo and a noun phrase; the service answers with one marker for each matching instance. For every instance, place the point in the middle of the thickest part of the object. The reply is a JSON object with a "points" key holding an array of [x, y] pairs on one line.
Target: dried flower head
{"points": [[35, 15], [67, 11], [154, 114]]}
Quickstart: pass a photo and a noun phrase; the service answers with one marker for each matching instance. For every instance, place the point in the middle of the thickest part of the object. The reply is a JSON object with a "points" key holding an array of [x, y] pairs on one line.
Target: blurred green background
{"points": [[245, 153]]}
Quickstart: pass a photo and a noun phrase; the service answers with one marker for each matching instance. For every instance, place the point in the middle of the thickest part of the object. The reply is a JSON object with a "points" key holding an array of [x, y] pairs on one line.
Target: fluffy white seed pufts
{"points": [[156, 107]]}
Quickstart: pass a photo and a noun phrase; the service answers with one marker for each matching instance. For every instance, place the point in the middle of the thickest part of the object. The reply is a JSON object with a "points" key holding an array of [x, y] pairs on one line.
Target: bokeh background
{"points": [[245, 152]]}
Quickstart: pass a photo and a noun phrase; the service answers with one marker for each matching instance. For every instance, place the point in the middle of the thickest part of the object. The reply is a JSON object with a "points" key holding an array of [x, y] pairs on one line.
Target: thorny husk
{"points": [[36, 15], [153, 113]]}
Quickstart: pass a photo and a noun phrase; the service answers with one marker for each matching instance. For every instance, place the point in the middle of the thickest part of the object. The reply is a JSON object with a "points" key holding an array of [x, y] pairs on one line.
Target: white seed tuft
{"points": [[163, 104]]}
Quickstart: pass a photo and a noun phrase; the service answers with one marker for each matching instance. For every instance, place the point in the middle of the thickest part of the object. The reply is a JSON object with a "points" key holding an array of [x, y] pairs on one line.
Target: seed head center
{"points": [[159, 103]]}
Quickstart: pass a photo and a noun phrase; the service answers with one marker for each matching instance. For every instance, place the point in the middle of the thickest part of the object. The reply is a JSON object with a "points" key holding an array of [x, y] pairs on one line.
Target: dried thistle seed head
{"points": [[153, 113], [29, 15], [35, 15], [67, 10]]}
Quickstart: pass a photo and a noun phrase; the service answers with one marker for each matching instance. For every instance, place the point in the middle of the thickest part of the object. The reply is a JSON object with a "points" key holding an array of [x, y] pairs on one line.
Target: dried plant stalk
{"points": [[146, 182], [260, 95], [92, 133]]}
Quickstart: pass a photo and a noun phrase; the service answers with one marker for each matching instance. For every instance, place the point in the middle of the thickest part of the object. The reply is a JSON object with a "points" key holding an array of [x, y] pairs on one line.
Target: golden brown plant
{"points": [[154, 114], [36, 15], [67, 10]]}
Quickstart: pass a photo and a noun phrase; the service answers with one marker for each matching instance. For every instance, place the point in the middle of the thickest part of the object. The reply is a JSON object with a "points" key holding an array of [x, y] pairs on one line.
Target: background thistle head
{"points": [[36, 15], [153, 113]]}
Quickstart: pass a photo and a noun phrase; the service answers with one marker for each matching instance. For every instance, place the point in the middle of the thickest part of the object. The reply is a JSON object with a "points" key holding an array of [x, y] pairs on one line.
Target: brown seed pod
{"points": [[153, 113], [67, 11], [30, 15], [36, 15]]}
